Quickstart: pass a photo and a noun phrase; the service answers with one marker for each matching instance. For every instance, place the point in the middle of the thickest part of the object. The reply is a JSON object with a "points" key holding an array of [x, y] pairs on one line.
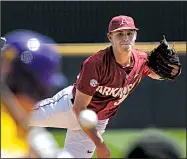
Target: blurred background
{"points": [[80, 29]]}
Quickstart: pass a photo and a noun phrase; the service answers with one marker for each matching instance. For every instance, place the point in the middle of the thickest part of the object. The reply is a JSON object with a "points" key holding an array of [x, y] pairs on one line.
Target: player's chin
{"points": [[126, 48]]}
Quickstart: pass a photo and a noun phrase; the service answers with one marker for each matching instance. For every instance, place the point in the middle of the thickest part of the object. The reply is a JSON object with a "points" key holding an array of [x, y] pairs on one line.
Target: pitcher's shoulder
{"points": [[99, 56], [140, 53], [102, 53]]}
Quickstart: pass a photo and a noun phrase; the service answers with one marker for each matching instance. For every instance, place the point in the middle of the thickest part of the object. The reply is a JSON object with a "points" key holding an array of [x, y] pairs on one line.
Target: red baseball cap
{"points": [[120, 23]]}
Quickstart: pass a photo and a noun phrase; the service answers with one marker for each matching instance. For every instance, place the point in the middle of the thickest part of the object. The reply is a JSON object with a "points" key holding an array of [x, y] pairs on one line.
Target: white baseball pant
{"points": [[57, 112]]}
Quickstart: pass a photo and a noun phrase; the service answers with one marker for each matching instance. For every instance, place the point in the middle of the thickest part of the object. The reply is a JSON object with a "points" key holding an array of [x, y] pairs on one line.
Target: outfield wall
{"points": [[87, 21]]}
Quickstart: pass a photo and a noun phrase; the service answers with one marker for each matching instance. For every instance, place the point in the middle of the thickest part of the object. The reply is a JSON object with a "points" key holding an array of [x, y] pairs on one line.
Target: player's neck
{"points": [[123, 58]]}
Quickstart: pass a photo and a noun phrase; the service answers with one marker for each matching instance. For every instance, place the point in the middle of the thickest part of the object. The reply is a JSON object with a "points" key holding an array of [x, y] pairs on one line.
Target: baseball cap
{"points": [[35, 53], [121, 22]]}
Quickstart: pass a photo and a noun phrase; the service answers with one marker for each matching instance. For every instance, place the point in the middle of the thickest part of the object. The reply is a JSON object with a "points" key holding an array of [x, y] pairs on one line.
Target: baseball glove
{"points": [[160, 58]]}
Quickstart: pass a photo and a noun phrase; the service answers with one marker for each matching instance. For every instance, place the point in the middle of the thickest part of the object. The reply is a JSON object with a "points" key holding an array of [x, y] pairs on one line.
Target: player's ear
{"points": [[135, 35], [109, 37]]}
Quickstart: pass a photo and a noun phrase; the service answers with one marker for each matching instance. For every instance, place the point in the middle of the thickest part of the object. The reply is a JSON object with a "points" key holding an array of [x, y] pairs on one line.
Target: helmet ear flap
{"points": [[3, 42]]}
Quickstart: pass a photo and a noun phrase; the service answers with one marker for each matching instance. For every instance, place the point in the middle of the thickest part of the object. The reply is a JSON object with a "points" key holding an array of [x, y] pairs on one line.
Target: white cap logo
{"points": [[27, 57], [123, 20], [33, 44]]}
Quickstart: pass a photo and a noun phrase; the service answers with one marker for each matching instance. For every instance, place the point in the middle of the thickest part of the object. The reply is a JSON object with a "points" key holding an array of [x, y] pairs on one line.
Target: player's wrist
{"points": [[100, 144], [94, 136], [99, 141]]}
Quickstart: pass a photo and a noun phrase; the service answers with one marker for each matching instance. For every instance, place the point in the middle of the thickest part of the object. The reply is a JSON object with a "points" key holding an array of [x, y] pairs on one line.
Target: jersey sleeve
{"points": [[146, 71], [89, 77]]}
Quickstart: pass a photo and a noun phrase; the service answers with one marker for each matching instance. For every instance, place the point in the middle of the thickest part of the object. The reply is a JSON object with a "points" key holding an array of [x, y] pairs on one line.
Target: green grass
{"points": [[119, 140]]}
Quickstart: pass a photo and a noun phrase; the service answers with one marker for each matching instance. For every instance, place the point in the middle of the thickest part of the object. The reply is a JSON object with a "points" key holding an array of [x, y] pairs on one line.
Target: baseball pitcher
{"points": [[105, 81]]}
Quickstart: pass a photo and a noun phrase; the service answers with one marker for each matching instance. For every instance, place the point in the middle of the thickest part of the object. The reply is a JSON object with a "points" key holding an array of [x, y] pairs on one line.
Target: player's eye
{"points": [[130, 33], [120, 34]]}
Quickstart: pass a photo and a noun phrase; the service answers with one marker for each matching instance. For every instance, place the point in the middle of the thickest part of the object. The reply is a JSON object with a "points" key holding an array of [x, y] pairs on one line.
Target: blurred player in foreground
{"points": [[154, 144], [27, 67], [105, 80]]}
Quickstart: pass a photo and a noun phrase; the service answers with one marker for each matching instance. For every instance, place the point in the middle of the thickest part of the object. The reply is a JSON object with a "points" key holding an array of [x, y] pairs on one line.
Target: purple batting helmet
{"points": [[36, 52]]}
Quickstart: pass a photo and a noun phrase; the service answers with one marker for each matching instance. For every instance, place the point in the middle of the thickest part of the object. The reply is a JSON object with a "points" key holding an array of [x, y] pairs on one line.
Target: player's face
{"points": [[123, 40]]}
